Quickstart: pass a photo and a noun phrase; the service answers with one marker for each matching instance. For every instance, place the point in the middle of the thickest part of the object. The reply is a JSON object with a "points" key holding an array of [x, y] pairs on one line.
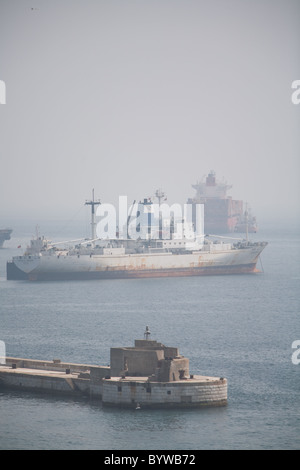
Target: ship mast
{"points": [[93, 203], [159, 194]]}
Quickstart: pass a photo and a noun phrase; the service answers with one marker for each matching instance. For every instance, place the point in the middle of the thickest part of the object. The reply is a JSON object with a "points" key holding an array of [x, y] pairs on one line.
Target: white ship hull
{"points": [[84, 266]]}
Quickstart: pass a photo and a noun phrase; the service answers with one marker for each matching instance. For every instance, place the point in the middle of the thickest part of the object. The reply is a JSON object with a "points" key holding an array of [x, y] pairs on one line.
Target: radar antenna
{"points": [[160, 195]]}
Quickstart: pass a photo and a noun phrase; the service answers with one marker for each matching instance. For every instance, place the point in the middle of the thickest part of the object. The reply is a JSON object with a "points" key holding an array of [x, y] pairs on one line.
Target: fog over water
{"points": [[126, 97], [130, 96]]}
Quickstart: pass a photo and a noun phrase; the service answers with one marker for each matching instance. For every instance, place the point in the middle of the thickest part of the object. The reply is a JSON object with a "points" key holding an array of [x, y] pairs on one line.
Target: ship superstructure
{"points": [[4, 235], [222, 214]]}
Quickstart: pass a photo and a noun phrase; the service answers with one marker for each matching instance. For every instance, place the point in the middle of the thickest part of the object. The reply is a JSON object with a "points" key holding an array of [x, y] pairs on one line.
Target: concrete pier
{"points": [[192, 392], [53, 377], [147, 375]]}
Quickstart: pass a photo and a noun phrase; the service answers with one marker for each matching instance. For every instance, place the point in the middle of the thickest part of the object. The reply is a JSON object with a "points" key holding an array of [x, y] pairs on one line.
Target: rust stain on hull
{"points": [[142, 273]]}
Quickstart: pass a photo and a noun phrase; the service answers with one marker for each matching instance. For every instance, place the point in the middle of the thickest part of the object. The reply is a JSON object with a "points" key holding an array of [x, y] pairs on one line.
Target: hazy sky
{"points": [[129, 96]]}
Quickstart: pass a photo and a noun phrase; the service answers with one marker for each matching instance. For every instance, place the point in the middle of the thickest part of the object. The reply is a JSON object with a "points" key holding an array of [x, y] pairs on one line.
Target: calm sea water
{"points": [[239, 327]]}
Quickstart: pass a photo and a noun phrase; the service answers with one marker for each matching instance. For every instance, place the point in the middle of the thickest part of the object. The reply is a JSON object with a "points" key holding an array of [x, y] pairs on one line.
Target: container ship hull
{"points": [[65, 267]]}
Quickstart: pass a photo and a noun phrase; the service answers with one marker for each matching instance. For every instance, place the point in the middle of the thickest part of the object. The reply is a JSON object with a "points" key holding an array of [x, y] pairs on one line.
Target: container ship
{"points": [[134, 258], [4, 235], [222, 214]]}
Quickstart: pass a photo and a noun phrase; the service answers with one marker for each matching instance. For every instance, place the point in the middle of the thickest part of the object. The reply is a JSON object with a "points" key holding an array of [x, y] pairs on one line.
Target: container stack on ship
{"points": [[222, 214]]}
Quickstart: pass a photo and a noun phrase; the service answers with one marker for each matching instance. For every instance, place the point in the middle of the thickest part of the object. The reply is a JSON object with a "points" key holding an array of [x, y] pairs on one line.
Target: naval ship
{"points": [[4, 235], [134, 258]]}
